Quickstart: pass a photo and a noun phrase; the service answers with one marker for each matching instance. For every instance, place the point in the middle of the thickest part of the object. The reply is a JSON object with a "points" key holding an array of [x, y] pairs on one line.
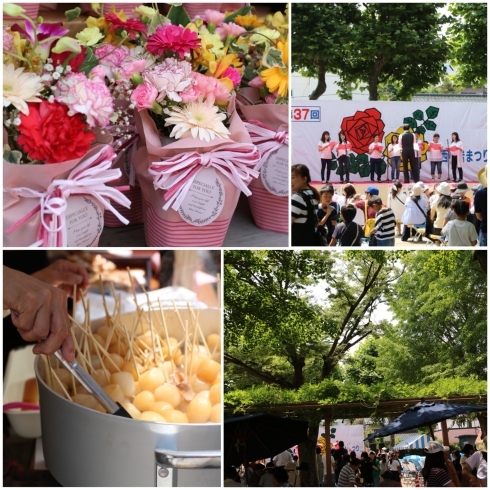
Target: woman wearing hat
{"points": [[435, 470], [415, 211], [440, 206]]}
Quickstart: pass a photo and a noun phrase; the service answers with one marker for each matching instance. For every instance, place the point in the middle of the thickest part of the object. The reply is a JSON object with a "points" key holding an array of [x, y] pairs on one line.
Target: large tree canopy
{"points": [[468, 38], [370, 43]]}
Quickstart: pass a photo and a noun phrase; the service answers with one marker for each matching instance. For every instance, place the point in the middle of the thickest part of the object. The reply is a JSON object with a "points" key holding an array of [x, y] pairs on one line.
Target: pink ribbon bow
{"points": [[87, 178], [266, 139], [176, 174]]}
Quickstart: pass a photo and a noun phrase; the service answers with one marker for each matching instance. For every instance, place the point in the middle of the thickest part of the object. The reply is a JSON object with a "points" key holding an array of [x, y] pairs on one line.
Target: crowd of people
{"points": [[443, 211], [381, 468]]}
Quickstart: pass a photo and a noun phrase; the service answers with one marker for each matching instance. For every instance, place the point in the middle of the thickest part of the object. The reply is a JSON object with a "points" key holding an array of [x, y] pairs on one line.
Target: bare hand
{"points": [[39, 312], [64, 274]]}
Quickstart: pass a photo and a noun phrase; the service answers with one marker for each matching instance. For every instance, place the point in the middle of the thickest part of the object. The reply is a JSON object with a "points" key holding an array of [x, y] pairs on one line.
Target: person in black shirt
{"points": [[408, 154], [327, 214], [338, 456], [348, 233]]}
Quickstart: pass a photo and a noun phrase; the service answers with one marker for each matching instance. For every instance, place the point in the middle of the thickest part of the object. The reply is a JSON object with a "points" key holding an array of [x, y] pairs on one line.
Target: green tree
{"points": [[370, 43], [468, 38]]}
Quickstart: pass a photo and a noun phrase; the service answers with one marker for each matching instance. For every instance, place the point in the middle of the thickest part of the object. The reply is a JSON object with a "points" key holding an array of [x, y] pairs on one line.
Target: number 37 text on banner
{"points": [[306, 114]]}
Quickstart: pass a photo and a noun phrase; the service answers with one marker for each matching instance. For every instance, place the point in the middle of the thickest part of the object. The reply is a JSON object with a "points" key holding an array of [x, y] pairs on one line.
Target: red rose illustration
{"points": [[360, 127]]}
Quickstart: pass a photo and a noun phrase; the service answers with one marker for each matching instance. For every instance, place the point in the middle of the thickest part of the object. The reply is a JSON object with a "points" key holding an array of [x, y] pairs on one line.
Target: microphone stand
{"points": [[448, 157]]}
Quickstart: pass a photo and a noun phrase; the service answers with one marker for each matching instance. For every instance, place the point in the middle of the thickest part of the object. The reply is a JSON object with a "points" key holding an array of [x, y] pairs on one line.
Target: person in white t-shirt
{"points": [[283, 458], [394, 154], [325, 147], [375, 150], [477, 460], [460, 233], [436, 149], [456, 155]]}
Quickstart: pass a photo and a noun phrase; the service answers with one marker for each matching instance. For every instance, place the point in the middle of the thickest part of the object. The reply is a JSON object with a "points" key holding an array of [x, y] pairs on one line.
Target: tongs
{"points": [[93, 387]]}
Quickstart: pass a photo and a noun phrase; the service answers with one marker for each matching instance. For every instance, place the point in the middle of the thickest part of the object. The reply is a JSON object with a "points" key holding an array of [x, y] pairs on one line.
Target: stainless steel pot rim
{"points": [[96, 413]]}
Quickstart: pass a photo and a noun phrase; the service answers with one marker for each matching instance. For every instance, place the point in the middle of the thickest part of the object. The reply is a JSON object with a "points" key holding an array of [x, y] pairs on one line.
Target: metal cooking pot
{"points": [[83, 447]]}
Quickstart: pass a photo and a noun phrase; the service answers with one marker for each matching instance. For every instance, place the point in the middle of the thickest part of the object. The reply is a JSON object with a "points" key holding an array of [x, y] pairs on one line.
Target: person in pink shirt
{"points": [[456, 155], [343, 151], [325, 147], [375, 150], [435, 150]]}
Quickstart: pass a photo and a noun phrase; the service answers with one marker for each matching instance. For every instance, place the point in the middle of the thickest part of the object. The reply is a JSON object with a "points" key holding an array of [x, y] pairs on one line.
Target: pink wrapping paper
{"points": [[270, 212], [37, 178], [167, 228]]}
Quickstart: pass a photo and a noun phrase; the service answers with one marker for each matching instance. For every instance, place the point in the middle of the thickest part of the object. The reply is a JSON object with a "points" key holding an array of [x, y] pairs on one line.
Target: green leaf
{"points": [[364, 171], [383, 166], [411, 121], [73, 13], [12, 156], [421, 129], [362, 159], [89, 62], [430, 125], [419, 115], [354, 167], [242, 11], [157, 20], [273, 57], [178, 16], [432, 112], [334, 165]]}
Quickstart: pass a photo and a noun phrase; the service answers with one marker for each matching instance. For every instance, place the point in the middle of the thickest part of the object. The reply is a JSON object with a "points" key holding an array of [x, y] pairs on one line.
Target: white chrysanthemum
{"points": [[20, 88], [197, 119]]}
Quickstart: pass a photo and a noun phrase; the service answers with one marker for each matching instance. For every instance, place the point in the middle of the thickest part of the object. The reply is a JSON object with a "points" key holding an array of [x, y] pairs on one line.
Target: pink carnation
{"points": [[170, 78], [144, 95], [129, 69], [211, 88], [82, 95], [230, 29], [214, 17], [233, 74], [172, 38], [256, 82], [8, 41], [112, 57], [271, 98]]}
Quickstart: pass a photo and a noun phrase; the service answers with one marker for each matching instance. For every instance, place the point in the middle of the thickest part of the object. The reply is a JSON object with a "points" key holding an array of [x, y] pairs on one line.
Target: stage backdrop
{"points": [[361, 119]]}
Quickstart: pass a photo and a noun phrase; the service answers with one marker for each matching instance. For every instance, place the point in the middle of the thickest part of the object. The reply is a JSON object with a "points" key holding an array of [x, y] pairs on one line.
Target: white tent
{"points": [[413, 442]]}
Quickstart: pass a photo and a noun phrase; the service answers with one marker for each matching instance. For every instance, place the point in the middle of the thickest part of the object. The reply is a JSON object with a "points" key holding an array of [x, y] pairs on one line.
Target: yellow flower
{"points": [[248, 21], [89, 36], [212, 42], [145, 11], [217, 68], [279, 21], [100, 23], [276, 78]]}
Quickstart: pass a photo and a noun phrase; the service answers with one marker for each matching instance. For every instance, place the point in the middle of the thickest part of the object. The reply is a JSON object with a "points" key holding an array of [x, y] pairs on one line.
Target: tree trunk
{"points": [[327, 367], [298, 365], [307, 451], [373, 86], [322, 85], [481, 257]]}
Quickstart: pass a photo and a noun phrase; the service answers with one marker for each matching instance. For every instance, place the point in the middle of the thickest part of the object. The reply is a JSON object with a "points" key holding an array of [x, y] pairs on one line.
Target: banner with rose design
{"points": [[360, 120]]}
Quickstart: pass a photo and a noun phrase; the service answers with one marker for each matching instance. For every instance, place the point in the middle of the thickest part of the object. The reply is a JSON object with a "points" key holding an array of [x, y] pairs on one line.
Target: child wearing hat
{"points": [[440, 206]]}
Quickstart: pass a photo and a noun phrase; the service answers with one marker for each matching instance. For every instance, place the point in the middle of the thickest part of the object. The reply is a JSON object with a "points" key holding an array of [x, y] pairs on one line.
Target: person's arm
{"points": [[39, 312]]}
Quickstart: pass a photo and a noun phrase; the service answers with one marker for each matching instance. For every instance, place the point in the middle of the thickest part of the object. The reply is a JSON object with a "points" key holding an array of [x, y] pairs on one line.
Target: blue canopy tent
{"points": [[418, 441], [425, 414]]}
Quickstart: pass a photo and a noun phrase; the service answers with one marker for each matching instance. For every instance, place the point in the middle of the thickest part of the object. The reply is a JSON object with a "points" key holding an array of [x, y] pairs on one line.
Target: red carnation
{"points": [[173, 38], [49, 134], [360, 128], [75, 62], [129, 25]]}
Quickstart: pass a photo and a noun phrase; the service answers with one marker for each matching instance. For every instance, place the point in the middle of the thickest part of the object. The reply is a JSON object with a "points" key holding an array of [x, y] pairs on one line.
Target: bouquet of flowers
{"points": [[55, 109], [262, 99], [197, 156]]}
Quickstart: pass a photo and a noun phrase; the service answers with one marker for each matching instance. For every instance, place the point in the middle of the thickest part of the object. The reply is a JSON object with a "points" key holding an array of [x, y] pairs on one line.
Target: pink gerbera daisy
{"points": [[130, 25], [173, 38]]}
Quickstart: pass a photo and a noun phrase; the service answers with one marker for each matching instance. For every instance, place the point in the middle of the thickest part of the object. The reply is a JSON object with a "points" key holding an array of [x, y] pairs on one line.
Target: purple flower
{"points": [[43, 32]]}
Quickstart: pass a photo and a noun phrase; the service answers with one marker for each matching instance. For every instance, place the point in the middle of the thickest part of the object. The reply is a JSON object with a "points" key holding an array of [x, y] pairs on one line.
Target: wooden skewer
{"points": [[131, 351], [166, 334]]}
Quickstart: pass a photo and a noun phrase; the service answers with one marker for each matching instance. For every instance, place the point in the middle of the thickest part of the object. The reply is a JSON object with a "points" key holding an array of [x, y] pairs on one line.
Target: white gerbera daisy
{"points": [[20, 88], [197, 119]]}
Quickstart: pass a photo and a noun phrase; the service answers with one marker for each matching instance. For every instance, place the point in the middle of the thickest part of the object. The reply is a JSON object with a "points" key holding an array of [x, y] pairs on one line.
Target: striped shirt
{"points": [[299, 209], [385, 224], [346, 476], [438, 478]]}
